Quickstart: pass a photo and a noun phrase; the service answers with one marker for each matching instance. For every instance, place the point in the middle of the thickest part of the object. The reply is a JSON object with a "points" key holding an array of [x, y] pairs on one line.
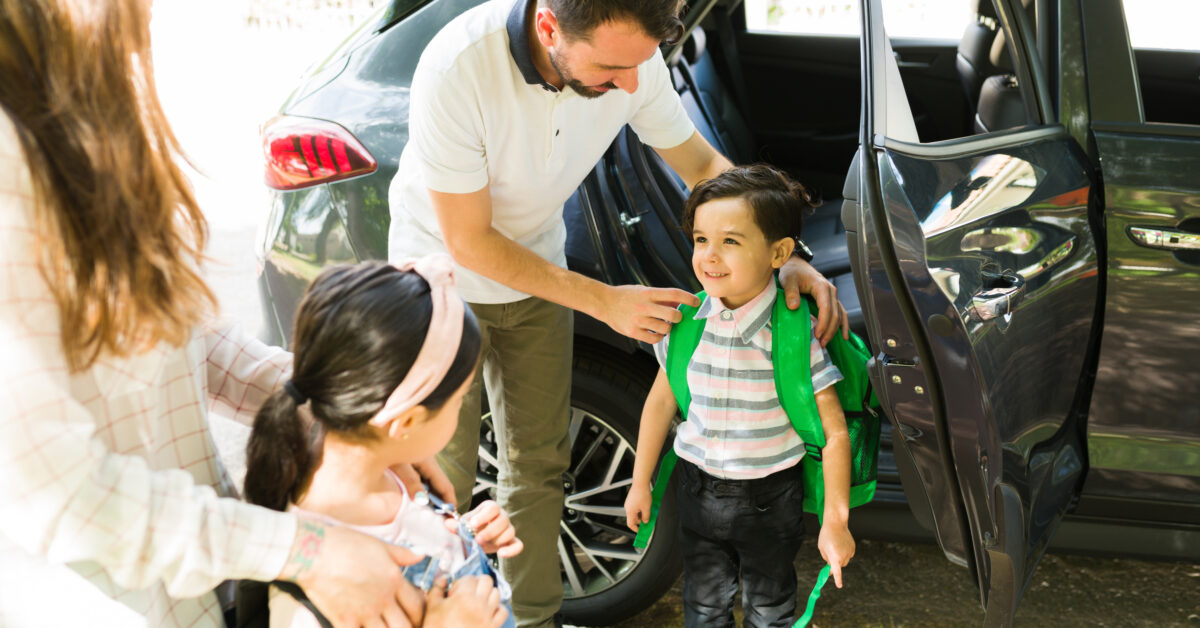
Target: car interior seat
{"points": [[1000, 104], [974, 50]]}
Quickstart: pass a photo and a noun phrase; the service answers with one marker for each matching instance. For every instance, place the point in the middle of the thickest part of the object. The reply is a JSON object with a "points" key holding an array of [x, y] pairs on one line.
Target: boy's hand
{"points": [[473, 601], [493, 530], [837, 548], [637, 506]]}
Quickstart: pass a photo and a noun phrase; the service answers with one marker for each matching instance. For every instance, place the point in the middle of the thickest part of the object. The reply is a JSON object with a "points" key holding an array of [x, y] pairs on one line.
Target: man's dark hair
{"points": [[777, 202], [658, 18]]}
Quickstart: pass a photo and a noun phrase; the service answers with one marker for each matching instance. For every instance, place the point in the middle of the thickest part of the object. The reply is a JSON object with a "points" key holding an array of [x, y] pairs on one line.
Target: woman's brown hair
{"points": [[120, 234]]}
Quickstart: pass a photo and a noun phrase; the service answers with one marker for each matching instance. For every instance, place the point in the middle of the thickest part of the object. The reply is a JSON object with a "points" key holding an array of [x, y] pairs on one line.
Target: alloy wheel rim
{"points": [[595, 548]]}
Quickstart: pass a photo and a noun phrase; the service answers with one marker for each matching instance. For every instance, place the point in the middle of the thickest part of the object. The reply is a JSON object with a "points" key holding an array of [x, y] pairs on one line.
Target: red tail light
{"points": [[302, 152]]}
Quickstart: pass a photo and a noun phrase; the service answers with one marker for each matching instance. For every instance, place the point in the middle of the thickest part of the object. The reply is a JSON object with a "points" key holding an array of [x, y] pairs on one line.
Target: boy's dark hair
{"points": [[357, 333], [777, 202], [658, 18]]}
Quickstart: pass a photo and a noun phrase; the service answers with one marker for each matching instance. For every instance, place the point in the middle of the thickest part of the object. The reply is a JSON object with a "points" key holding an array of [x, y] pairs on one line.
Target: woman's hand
{"points": [[837, 548], [493, 530], [472, 601], [352, 578]]}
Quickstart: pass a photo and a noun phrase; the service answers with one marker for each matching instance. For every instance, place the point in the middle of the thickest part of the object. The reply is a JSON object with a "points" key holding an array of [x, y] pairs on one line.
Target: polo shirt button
{"points": [[726, 315]]}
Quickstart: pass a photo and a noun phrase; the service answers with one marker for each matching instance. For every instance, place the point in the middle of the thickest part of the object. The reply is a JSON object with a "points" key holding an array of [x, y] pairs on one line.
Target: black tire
{"points": [[615, 394], [619, 582]]}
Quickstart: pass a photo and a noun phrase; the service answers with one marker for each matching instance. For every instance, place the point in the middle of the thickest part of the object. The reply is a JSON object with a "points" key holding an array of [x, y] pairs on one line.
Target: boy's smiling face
{"points": [[732, 258]]}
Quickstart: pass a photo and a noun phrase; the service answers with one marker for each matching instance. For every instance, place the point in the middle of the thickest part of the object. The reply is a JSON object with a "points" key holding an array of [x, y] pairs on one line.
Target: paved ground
{"points": [[912, 584]]}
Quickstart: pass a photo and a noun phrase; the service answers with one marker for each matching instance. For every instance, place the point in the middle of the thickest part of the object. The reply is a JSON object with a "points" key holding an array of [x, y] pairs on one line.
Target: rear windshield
{"points": [[396, 11]]}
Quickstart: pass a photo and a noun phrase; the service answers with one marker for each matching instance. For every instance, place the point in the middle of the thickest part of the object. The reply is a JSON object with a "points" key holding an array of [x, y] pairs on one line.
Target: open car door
{"points": [[977, 268]]}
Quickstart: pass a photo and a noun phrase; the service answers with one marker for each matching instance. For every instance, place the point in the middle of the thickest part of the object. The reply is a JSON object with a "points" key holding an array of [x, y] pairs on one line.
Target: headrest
{"points": [[983, 8], [693, 46]]}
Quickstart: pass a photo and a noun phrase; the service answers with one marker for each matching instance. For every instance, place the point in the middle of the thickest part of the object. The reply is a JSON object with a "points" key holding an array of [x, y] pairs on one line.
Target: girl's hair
{"points": [[119, 233], [777, 202], [357, 333]]}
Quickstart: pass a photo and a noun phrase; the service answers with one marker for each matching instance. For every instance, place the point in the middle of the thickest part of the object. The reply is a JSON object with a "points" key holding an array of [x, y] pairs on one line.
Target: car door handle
{"points": [[1169, 239], [901, 62], [998, 296]]}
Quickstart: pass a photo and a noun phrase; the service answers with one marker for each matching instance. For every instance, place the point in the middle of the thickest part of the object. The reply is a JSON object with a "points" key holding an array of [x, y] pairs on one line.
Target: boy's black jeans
{"points": [[751, 528]]}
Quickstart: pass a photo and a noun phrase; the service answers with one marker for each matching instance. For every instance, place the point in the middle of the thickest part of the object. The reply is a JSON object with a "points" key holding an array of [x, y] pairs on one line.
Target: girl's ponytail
{"points": [[280, 453]]}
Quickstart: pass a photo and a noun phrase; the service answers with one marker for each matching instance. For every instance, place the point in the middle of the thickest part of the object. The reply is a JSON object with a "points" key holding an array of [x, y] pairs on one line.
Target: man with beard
{"points": [[511, 106]]}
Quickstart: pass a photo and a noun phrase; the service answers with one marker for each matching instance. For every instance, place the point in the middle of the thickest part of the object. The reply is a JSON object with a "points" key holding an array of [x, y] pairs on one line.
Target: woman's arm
{"points": [[242, 371]]}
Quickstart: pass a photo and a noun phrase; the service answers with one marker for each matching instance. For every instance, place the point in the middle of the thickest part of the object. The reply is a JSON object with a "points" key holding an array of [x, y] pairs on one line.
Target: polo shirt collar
{"points": [[518, 44], [749, 319]]}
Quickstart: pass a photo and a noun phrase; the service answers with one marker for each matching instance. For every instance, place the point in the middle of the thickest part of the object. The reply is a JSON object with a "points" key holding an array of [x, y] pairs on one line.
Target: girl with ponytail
{"points": [[366, 399]]}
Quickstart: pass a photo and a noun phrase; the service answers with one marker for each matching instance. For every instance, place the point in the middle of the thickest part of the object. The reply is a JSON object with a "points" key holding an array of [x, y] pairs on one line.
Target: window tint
{"points": [[932, 19]]}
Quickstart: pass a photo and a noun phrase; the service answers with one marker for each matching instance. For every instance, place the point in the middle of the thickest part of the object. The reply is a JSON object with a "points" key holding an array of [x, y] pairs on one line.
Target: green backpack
{"points": [[791, 334]]}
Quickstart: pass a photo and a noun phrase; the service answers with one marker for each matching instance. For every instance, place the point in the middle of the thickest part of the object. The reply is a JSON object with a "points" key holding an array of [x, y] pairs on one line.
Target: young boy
{"points": [[740, 492]]}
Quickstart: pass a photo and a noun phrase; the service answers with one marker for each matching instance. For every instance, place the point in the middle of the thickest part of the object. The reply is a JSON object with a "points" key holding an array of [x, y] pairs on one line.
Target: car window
{"points": [[1163, 24], [1167, 52], [925, 19], [980, 94]]}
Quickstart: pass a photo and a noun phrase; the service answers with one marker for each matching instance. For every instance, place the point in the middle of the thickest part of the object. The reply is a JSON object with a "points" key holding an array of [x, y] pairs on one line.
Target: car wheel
{"points": [[605, 580]]}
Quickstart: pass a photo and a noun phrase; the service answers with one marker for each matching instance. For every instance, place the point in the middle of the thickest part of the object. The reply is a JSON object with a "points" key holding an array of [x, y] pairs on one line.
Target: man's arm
{"points": [[640, 312], [695, 160]]}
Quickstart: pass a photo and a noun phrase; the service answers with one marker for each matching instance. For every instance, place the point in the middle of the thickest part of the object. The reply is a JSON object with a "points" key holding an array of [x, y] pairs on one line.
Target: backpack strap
{"points": [[685, 337], [791, 344]]}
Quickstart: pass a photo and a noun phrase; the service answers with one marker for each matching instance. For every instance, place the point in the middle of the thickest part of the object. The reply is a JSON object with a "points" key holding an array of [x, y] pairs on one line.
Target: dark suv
{"points": [[1012, 219]]}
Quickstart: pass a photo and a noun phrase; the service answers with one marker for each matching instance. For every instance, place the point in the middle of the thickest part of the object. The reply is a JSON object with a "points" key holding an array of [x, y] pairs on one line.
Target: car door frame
{"points": [[983, 515]]}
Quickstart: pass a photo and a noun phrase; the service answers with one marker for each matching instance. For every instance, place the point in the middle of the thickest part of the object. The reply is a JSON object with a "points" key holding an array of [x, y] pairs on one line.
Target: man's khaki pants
{"points": [[526, 364]]}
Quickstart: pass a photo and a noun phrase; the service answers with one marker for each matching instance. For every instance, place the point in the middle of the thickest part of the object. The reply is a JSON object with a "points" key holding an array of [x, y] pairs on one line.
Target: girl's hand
{"points": [[493, 530], [473, 601], [415, 476], [637, 506], [837, 548]]}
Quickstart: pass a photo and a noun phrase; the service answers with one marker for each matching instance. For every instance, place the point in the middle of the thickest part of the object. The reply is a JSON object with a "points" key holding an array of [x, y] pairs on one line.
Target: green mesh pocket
{"points": [[864, 447]]}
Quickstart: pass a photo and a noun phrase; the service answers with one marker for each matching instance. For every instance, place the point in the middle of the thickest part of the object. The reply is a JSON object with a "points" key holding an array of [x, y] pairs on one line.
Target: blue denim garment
{"points": [[425, 572]]}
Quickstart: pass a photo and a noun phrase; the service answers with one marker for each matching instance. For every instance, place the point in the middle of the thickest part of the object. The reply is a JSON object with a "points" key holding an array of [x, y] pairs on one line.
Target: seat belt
{"points": [[685, 71], [733, 62]]}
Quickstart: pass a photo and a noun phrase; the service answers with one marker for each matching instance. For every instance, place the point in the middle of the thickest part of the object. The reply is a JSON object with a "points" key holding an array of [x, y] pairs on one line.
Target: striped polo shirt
{"points": [[735, 428]]}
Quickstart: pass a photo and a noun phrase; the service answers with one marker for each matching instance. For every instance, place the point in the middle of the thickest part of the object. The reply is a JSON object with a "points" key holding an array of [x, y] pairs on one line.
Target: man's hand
{"points": [[643, 313], [799, 277], [473, 601], [416, 475], [637, 506], [493, 530], [837, 548], [352, 578]]}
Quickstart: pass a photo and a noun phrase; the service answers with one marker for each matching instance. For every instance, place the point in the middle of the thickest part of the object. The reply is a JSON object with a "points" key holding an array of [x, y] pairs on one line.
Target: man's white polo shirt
{"points": [[481, 115]]}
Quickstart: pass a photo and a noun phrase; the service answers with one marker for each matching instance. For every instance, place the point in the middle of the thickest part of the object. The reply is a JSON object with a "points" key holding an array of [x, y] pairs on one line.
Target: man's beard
{"points": [[575, 85]]}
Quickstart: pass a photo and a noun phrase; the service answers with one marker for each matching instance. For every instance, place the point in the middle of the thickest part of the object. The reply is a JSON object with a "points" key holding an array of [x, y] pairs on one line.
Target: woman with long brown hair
{"points": [[114, 507]]}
